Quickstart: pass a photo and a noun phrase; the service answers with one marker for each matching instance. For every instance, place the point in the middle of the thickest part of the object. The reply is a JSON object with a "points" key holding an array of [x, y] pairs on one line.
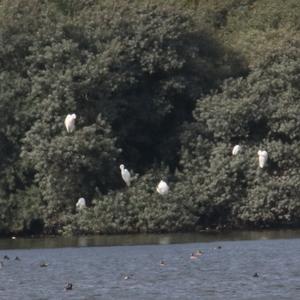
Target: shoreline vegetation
{"points": [[166, 88]]}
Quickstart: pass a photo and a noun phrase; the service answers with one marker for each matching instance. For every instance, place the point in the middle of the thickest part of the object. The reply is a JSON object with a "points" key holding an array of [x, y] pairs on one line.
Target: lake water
{"points": [[128, 267]]}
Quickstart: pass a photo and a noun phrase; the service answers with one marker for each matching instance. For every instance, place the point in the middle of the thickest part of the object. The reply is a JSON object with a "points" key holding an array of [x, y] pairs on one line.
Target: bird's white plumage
{"points": [[125, 175], [262, 158], [236, 149], [162, 188], [70, 122], [81, 203]]}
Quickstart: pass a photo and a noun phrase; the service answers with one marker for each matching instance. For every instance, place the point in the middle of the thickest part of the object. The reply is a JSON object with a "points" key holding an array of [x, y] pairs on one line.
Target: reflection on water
{"points": [[146, 239]]}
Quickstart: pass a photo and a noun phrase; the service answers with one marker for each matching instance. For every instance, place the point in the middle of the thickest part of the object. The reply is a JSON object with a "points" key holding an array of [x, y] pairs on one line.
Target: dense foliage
{"points": [[258, 112], [165, 87]]}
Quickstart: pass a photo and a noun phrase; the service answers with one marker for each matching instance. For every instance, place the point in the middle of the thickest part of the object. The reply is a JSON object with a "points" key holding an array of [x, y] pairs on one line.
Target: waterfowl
{"points": [[193, 256], [262, 158], [43, 264], [68, 286], [70, 122], [125, 175], [6, 257], [81, 204], [198, 252], [236, 149], [162, 188], [162, 263]]}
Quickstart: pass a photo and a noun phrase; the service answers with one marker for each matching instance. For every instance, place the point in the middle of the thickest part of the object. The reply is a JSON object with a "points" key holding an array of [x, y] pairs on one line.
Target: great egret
{"points": [[162, 188], [81, 203], [70, 122], [262, 158], [125, 175], [236, 149]]}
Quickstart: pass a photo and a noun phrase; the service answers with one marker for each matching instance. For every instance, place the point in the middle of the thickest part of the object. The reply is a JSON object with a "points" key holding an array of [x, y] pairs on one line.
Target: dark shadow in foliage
{"points": [[157, 62], [36, 227]]}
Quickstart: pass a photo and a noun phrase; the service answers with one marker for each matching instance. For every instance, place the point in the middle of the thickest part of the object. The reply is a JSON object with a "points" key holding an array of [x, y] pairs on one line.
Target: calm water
{"points": [[98, 270]]}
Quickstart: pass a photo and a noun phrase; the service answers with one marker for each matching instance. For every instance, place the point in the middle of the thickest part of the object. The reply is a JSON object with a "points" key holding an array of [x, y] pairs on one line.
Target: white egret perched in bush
{"points": [[236, 149], [262, 158], [70, 122], [81, 204], [125, 175], [162, 188]]}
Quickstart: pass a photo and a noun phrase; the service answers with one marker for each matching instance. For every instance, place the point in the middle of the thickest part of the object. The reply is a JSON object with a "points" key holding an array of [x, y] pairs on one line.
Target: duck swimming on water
{"points": [[198, 252], [162, 263], [68, 286], [43, 264]]}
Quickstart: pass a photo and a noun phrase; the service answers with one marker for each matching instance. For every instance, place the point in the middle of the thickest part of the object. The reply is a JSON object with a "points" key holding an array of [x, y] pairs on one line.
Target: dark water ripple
{"points": [[98, 272]]}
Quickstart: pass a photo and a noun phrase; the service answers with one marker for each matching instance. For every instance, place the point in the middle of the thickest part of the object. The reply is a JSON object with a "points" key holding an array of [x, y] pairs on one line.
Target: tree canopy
{"points": [[165, 87]]}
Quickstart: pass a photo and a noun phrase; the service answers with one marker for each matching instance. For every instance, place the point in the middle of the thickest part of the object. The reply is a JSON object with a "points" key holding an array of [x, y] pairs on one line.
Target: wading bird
{"points": [[81, 204], [70, 122], [236, 149], [125, 175], [162, 188], [262, 158]]}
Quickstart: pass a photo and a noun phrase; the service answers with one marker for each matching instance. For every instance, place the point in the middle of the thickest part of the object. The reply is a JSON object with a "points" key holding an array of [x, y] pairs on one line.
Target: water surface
{"points": [[145, 239], [99, 271]]}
